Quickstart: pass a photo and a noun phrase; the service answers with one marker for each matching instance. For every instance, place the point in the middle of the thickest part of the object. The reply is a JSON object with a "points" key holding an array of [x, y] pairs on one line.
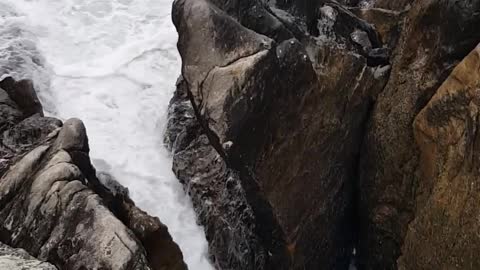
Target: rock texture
{"points": [[292, 128], [53, 205], [18, 259], [268, 99], [444, 233], [389, 183]]}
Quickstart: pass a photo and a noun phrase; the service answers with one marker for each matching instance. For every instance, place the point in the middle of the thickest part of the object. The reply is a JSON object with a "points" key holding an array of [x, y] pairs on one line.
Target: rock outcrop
{"points": [[389, 182], [53, 205], [444, 233], [270, 95], [292, 130], [19, 259]]}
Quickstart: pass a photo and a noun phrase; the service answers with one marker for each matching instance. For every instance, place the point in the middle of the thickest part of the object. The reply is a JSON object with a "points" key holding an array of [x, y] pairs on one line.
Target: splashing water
{"points": [[112, 63]]}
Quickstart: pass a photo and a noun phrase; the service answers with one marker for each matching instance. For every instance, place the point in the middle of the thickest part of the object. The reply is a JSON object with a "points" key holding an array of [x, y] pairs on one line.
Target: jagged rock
{"points": [[444, 233], [436, 35], [53, 205], [47, 209], [23, 94], [388, 23], [18, 259], [298, 130], [280, 127]]}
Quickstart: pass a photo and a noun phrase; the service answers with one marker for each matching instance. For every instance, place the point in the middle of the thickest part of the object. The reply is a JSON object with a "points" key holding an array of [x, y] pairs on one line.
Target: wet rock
{"points": [[309, 132], [428, 50], [53, 205], [18, 259], [23, 94], [280, 125]]}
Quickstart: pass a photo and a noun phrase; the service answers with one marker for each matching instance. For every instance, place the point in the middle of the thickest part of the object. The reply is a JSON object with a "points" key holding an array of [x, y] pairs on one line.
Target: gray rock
{"points": [[53, 205], [19, 259]]}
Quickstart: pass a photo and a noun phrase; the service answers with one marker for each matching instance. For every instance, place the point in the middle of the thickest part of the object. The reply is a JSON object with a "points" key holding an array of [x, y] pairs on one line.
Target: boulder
{"points": [[53, 205], [19, 259], [271, 154], [315, 123]]}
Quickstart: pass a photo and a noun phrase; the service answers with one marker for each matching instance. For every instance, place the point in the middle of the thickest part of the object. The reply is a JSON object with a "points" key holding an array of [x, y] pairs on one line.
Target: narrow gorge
{"points": [[239, 134]]}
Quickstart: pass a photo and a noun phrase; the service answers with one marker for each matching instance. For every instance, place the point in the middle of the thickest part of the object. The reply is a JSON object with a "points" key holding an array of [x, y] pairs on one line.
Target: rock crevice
{"points": [[315, 130]]}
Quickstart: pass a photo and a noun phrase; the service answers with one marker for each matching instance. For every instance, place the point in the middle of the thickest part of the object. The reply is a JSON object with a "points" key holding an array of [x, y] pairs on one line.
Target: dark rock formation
{"points": [[302, 146], [53, 205], [266, 106]]}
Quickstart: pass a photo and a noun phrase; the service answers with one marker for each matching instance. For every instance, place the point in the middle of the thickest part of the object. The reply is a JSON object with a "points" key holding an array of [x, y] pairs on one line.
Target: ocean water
{"points": [[113, 64]]}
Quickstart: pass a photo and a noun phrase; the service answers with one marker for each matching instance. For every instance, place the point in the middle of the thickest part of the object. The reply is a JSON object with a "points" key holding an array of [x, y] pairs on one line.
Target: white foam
{"points": [[113, 63]]}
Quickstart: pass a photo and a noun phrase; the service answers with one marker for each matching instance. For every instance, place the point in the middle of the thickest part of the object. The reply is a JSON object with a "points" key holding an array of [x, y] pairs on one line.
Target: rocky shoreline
{"points": [[308, 134], [308, 131], [53, 205]]}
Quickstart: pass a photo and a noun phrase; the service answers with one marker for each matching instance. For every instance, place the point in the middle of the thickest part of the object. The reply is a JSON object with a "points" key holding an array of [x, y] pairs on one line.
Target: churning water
{"points": [[112, 63]]}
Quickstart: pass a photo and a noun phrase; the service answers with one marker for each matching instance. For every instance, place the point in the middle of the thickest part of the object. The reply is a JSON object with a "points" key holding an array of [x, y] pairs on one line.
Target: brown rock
{"points": [[427, 51], [388, 23], [284, 120], [444, 233]]}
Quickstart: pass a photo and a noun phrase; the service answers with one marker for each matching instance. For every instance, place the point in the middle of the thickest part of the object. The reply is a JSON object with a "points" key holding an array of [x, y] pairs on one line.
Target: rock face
{"points": [[268, 99], [292, 130], [445, 230], [18, 259], [389, 178], [53, 205]]}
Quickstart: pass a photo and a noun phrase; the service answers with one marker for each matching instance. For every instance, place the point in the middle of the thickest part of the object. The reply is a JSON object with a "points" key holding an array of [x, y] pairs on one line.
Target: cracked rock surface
{"points": [[52, 204], [18, 259], [306, 129]]}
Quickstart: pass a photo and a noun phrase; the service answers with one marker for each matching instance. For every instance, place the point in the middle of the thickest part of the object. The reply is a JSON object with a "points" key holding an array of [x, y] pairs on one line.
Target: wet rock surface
{"points": [[53, 205], [266, 106], [296, 133]]}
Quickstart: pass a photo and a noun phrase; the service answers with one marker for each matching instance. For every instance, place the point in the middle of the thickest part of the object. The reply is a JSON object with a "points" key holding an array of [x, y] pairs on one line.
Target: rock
{"points": [[53, 205], [182, 125], [18, 259], [444, 233], [389, 179], [378, 57], [397, 5], [270, 159], [23, 94], [303, 140], [387, 23], [361, 38]]}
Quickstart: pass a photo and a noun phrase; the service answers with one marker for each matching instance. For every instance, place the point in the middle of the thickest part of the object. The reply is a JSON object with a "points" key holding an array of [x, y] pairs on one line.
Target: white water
{"points": [[112, 63]]}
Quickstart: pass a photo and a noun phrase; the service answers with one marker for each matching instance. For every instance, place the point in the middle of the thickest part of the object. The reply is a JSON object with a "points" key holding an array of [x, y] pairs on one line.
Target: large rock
{"points": [[435, 37], [298, 131], [444, 233], [19, 259], [53, 205], [271, 157]]}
